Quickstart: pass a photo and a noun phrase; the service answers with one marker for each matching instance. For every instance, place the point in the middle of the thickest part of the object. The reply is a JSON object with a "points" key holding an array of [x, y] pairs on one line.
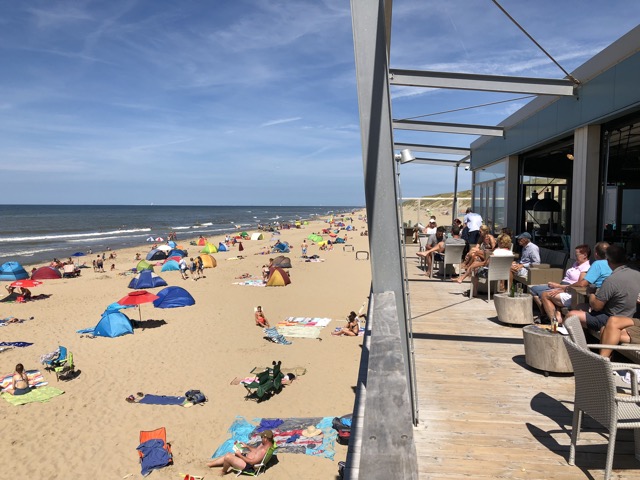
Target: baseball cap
{"points": [[526, 235], [268, 434]]}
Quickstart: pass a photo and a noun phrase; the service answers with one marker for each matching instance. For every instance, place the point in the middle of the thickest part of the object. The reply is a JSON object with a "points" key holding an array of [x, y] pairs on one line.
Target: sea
{"points": [[34, 234]]}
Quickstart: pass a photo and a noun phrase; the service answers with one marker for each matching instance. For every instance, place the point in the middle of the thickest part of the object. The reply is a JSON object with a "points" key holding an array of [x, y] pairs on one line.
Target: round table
{"points": [[545, 350], [516, 310]]}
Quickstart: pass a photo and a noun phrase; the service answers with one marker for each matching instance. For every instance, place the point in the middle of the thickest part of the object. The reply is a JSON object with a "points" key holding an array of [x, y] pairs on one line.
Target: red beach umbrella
{"points": [[137, 298], [26, 283]]}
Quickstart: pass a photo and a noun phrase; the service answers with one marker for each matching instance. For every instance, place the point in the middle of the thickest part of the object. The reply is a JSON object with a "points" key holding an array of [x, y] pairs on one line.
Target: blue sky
{"points": [[247, 101]]}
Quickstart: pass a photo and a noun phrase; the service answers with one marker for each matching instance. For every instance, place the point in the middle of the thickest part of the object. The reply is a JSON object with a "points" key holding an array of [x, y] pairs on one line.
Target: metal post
{"points": [[370, 45], [454, 212]]}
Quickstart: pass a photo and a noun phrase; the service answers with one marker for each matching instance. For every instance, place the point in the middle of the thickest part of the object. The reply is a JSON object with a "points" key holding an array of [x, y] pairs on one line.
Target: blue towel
{"points": [[293, 438], [153, 455], [161, 400], [15, 344], [269, 424], [240, 431]]}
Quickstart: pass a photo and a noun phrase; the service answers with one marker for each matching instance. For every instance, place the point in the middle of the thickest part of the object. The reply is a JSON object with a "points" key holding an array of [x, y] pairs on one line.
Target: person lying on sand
{"points": [[245, 456]]}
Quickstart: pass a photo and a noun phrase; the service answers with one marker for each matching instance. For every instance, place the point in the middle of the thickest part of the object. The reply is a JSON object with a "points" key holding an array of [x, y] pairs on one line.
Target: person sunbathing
{"points": [[245, 456], [352, 328], [19, 382], [261, 320]]}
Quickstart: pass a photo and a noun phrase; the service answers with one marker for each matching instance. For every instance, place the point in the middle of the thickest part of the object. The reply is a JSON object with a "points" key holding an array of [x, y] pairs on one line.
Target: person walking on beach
{"points": [[193, 266], [304, 247], [183, 268], [100, 264], [200, 267]]}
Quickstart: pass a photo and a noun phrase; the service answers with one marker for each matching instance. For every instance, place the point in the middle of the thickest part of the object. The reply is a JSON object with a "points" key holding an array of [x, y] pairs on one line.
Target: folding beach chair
{"points": [[157, 434], [62, 365], [267, 383], [258, 468]]}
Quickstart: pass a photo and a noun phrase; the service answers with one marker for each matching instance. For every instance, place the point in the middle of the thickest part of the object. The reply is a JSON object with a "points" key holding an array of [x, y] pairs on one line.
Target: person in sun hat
{"points": [[244, 455]]}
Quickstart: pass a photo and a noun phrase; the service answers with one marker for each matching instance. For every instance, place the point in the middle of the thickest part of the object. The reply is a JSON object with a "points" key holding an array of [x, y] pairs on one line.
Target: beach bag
{"points": [[195, 396], [343, 426]]}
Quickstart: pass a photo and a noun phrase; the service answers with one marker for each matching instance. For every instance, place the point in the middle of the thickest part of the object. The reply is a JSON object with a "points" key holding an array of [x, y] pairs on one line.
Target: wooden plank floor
{"points": [[483, 412]]}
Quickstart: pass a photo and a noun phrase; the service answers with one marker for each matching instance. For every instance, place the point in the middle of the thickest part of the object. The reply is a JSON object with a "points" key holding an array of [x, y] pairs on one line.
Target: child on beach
{"points": [[19, 382]]}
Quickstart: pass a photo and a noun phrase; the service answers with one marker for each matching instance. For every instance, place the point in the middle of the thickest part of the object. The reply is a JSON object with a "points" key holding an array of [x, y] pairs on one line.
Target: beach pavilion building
{"points": [[565, 167]]}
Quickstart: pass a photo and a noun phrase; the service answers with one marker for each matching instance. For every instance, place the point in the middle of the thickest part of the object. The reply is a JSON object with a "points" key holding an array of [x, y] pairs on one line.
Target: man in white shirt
{"points": [[473, 221]]}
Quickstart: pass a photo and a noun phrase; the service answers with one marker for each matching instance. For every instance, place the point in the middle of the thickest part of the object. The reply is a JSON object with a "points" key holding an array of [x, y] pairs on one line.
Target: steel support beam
{"points": [[435, 161], [369, 20], [488, 83], [460, 128], [417, 147]]}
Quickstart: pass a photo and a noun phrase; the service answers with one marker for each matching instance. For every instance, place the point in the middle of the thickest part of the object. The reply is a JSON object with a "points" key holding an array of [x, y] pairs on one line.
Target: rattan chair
{"points": [[595, 395]]}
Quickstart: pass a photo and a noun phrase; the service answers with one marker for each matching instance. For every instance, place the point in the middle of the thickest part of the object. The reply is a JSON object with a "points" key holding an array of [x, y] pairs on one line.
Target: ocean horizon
{"points": [[33, 234]]}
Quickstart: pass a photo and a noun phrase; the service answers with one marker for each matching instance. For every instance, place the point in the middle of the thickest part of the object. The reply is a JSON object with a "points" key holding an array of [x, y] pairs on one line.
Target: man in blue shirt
{"points": [[530, 255]]}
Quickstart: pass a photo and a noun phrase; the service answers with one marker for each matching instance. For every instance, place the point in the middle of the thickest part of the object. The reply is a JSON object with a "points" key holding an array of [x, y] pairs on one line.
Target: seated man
{"points": [[433, 245], [247, 457], [530, 255], [574, 274], [440, 247], [616, 297], [555, 299]]}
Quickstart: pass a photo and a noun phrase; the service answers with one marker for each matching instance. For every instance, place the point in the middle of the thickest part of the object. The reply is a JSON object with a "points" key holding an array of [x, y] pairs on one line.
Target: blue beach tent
{"points": [[112, 324], [172, 297], [281, 247], [222, 247], [170, 266], [147, 279], [12, 271], [156, 254], [176, 252]]}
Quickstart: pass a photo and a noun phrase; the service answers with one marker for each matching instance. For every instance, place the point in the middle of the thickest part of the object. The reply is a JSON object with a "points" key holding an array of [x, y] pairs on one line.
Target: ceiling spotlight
{"points": [[405, 156], [467, 168], [570, 156]]}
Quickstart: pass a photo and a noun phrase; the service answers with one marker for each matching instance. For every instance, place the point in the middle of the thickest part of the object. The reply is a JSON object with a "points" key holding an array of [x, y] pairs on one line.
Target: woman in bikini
{"points": [[19, 382], [352, 328]]}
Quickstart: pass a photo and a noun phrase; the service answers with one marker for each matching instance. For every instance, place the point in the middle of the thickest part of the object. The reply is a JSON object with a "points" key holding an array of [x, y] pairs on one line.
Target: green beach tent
{"points": [[144, 265], [314, 238], [209, 248]]}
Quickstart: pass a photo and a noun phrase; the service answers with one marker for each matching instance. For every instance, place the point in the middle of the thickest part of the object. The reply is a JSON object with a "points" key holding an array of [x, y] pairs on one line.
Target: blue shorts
{"points": [[596, 320]]}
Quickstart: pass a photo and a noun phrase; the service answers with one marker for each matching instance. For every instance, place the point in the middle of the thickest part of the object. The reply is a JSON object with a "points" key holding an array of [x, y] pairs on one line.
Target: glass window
{"points": [[492, 172], [499, 205]]}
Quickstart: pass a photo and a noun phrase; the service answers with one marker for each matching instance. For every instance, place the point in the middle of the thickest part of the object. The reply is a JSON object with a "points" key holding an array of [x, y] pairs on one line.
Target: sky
{"points": [[249, 102]]}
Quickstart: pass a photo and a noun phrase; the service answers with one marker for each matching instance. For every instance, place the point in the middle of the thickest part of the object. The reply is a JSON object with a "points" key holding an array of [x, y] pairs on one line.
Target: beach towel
{"points": [[42, 394], [287, 435], [154, 455], [276, 337], [307, 321], [299, 331], [15, 344], [360, 331], [251, 283], [297, 371], [150, 399], [34, 376]]}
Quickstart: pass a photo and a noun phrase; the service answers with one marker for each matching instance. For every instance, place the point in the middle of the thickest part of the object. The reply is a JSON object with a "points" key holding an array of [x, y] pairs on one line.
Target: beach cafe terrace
{"points": [[443, 388]]}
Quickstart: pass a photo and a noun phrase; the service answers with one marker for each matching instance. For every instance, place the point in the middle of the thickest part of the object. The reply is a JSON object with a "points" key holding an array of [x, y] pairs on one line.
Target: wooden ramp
{"points": [[483, 412]]}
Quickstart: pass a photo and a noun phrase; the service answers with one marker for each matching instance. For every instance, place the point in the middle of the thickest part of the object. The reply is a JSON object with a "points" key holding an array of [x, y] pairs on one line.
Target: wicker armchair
{"points": [[596, 396]]}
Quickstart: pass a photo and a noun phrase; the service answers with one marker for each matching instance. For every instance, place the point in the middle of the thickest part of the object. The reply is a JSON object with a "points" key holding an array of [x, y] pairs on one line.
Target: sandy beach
{"points": [[92, 431]]}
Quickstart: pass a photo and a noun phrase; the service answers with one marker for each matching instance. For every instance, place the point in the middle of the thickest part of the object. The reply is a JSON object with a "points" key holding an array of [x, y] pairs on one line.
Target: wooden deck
{"points": [[483, 412]]}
